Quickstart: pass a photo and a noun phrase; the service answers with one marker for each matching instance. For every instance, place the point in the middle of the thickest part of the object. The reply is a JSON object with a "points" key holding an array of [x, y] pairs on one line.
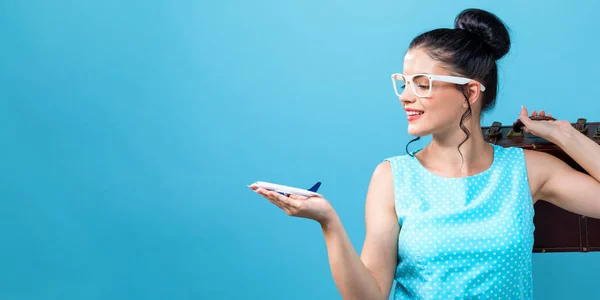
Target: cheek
{"points": [[444, 109], [444, 113]]}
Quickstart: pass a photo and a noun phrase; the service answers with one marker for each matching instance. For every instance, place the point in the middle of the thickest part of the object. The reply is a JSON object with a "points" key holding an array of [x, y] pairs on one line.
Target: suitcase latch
{"points": [[581, 125], [512, 133], [494, 132], [597, 133]]}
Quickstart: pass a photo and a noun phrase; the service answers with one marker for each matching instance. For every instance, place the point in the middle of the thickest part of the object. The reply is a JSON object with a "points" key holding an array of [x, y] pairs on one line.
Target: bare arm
{"points": [[369, 276], [562, 185]]}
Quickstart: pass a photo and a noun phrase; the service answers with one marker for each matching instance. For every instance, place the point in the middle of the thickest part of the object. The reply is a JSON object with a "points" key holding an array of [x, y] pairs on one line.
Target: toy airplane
{"points": [[287, 190]]}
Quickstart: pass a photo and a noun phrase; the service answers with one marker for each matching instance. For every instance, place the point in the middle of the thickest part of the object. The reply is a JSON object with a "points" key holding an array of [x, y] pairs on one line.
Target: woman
{"points": [[454, 219]]}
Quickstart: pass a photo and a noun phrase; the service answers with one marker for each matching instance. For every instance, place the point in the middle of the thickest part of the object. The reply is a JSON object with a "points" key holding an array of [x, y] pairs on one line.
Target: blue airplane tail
{"points": [[315, 187]]}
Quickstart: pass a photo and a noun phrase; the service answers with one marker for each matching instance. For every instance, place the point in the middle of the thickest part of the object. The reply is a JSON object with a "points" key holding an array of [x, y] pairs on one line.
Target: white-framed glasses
{"points": [[421, 84]]}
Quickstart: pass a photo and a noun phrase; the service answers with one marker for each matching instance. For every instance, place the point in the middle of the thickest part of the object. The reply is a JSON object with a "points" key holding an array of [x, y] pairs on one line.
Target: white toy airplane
{"points": [[287, 190]]}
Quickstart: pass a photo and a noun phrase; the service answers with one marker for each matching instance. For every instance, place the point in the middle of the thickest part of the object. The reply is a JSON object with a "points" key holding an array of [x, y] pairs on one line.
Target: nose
{"points": [[407, 95]]}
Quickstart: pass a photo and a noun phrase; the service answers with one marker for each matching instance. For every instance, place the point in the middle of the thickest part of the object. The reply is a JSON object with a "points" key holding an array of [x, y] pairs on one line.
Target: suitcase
{"points": [[556, 229]]}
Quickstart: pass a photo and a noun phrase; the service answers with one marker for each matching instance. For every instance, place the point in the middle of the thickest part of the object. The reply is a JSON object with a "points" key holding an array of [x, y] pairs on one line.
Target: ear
{"points": [[474, 91]]}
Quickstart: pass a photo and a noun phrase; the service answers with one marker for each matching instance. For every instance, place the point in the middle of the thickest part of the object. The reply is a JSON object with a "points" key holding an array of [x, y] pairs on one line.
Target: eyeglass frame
{"points": [[432, 78]]}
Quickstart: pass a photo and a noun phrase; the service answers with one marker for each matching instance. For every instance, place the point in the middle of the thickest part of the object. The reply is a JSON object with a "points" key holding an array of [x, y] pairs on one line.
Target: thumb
{"points": [[524, 116]]}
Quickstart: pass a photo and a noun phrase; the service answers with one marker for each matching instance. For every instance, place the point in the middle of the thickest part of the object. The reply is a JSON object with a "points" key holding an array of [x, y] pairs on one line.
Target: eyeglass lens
{"points": [[421, 85]]}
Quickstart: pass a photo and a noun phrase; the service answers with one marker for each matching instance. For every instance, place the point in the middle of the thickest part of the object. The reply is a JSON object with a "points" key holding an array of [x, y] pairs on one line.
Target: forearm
{"points": [[581, 148], [352, 278]]}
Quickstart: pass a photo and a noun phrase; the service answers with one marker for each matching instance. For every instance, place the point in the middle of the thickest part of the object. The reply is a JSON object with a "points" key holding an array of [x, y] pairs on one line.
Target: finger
{"points": [[550, 115], [542, 113], [297, 197], [290, 206], [273, 197], [523, 117], [261, 191], [280, 201], [293, 204], [288, 202], [534, 113], [524, 113], [267, 195]]}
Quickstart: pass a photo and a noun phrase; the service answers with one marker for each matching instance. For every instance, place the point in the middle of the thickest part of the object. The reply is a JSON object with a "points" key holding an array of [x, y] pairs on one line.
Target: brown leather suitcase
{"points": [[556, 229]]}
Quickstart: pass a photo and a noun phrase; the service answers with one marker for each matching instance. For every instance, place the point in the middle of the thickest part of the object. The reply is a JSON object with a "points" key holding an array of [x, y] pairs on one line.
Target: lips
{"points": [[413, 114]]}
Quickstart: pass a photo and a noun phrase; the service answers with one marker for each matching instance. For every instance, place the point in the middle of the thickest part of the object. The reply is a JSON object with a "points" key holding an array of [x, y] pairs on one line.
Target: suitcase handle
{"points": [[518, 125]]}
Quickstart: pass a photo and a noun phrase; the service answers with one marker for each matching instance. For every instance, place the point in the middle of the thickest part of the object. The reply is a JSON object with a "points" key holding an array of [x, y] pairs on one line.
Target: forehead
{"points": [[417, 61]]}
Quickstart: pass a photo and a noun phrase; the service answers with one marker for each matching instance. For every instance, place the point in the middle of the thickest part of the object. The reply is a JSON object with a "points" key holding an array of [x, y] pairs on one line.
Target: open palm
{"points": [[315, 208]]}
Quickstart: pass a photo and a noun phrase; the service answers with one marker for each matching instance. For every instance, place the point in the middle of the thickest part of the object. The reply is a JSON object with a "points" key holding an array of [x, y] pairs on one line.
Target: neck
{"points": [[442, 154]]}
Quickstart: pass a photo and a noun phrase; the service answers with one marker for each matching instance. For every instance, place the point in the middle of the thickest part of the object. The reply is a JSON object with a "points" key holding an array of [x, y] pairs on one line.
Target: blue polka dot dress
{"points": [[464, 238]]}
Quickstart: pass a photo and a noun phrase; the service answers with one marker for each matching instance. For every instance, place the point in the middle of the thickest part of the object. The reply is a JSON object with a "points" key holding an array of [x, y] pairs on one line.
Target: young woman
{"points": [[455, 218]]}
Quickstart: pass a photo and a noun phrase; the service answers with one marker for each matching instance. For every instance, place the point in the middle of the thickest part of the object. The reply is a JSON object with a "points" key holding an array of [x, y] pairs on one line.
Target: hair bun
{"points": [[488, 27]]}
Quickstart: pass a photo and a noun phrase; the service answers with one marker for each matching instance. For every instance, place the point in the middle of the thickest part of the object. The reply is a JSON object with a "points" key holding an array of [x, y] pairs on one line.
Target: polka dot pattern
{"points": [[464, 238]]}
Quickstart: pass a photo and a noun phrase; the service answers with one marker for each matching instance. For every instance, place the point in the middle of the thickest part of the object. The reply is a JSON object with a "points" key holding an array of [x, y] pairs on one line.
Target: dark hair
{"points": [[470, 49]]}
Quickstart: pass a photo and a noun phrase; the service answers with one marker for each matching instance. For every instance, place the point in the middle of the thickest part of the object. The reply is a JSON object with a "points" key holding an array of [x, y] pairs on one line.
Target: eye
{"points": [[423, 87]]}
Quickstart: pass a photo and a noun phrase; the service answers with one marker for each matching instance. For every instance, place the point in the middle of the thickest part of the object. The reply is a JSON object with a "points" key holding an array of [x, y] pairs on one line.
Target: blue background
{"points": [[130, 129]]}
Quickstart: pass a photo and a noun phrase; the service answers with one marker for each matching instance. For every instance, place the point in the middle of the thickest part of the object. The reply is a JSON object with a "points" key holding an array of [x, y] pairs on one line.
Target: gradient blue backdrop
{"points": [[130, 129]]}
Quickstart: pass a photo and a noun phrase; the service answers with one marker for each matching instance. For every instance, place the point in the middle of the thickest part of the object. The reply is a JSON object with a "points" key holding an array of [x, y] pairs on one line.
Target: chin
{"points": [[418, 131]]}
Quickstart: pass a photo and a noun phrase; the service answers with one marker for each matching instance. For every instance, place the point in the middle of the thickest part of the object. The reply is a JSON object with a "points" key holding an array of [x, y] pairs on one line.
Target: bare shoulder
{"points": [[380, 210], [381, 187], [383, 171]]}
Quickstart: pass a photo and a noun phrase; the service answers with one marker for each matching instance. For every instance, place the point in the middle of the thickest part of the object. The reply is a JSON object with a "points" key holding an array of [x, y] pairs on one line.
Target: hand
{"points": [[315, 208], [545, 129]]}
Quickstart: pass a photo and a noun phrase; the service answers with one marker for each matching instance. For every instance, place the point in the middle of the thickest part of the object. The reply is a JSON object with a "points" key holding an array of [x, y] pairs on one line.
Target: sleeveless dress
{"points": [[464, 238]]}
